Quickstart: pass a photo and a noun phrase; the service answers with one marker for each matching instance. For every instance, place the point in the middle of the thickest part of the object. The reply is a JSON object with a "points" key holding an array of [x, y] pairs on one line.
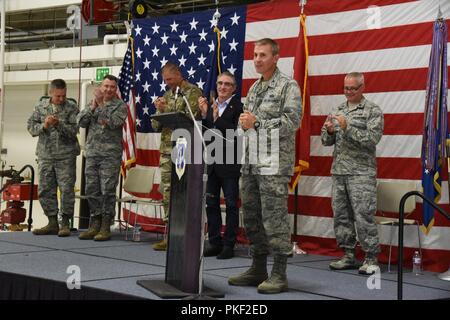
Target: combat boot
{"points": [[51, 228], [105, 230], [253, 276], [278, 281], [64, 230], [160, 246], [370, 265], [94, 228], [348, 261]]}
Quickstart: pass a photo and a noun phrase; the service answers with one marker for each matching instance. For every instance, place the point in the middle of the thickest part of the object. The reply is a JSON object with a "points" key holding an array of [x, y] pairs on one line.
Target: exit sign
{"points": [[100, 73]]}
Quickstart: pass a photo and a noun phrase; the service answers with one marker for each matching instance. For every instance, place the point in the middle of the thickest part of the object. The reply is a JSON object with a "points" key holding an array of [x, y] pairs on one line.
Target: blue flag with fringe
{"points": [[435, 133]]}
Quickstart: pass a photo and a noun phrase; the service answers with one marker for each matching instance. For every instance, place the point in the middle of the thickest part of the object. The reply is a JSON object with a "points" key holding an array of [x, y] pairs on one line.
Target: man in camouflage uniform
{"points": [[104, 117], [54, 122], [272, 106], [355, 130], [171, 101]]}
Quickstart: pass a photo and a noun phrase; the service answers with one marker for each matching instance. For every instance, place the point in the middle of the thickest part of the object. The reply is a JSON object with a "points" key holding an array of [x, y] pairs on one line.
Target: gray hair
{"points": [[228, 74], [271, 42], [356, 75]]}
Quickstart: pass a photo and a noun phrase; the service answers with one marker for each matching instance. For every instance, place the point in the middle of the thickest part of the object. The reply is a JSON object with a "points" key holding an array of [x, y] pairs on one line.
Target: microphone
{"points": [[176, 92]]}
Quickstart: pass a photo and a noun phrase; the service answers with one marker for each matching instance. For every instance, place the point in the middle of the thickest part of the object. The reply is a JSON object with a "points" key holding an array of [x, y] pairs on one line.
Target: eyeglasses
{"points": [[352, 89], [226, 84]]}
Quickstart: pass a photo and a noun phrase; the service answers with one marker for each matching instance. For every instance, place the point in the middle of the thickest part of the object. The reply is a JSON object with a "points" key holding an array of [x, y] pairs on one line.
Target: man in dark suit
{"points": [[221, 115]]}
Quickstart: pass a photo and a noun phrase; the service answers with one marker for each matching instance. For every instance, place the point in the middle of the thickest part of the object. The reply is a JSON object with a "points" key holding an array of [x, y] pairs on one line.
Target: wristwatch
{"points": [[256, 124]]}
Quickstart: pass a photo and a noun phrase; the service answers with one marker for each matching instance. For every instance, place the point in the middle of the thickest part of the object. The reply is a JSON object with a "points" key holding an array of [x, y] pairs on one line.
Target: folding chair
{"points": [[139, 181], [389, 194]]}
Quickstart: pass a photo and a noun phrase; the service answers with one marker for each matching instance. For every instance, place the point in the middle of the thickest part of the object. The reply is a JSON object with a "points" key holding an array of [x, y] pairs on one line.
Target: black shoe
{"points": [[227, 253], [212, 251]]}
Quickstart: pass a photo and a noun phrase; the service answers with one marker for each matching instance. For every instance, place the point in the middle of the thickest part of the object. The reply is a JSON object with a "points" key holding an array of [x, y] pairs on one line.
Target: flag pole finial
{"points": [[439, 15], [302, 4]]}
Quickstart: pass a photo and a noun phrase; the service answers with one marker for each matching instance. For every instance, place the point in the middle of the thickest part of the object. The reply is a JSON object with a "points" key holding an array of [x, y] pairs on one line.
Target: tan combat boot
{"points": [[51, 228], [277, 282], [105, 229], [94, 228], [64, 230], [348, 261], [253, 276]]}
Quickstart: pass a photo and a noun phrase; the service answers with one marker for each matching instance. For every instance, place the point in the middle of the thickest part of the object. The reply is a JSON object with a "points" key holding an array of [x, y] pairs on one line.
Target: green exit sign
{"points": [[100, 73]]}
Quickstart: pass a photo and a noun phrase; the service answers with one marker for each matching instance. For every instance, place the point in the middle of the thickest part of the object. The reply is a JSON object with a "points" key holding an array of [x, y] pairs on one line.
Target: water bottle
{"points": [[417, 263]]}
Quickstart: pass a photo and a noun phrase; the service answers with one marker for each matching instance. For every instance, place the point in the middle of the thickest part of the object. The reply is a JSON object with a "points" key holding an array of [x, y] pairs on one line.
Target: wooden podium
{"points": [[183, 257]]}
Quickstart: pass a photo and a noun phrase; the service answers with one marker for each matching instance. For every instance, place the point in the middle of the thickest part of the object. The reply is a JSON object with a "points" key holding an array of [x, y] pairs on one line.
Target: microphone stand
{"points": [[200, 295]]}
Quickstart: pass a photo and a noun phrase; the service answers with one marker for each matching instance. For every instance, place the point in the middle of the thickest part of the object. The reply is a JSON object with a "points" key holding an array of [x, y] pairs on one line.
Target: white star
{"points": [[200, 83], [146, 64], [191, 72], [138, 30], [183, 37], [233, 45], [155, 51], [211, 46], [138, 76], [146, 86], [203, 35], [235, 19], [146, 40], [163, 86], [138, 99], [138, 122], [193, 24], [232, 69], [164, 38], [223, 33], [173, 50], [201, 60], [192, 48], [155, 28], [154, 97], [163, 62], [182, 61], [223, 58], [139, 52], [155, 74], [145, 109], [174, 26]]}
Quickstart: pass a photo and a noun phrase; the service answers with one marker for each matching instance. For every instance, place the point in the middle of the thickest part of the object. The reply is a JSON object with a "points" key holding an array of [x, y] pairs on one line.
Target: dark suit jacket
{"points": [[228, 120]]}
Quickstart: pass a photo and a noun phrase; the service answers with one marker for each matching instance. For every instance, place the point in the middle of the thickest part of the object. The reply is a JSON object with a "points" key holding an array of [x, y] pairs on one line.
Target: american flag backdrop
{"points": [[388, 40]]}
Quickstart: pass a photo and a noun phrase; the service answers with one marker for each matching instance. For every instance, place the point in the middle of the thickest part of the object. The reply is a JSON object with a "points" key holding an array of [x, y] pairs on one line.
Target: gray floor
{"points": [[116, 265]]}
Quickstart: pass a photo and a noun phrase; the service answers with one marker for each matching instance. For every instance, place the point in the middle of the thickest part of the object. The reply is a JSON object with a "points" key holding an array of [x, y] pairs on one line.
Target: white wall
{"points": [[19, 104]]}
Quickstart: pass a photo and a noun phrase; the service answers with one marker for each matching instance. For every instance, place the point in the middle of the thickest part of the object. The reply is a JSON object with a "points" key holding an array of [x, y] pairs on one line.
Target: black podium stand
{"points": [[185, 220]]}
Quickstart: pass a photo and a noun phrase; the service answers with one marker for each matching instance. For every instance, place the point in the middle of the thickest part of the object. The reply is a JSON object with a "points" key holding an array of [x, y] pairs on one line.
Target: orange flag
{"points": [[302, 138]]}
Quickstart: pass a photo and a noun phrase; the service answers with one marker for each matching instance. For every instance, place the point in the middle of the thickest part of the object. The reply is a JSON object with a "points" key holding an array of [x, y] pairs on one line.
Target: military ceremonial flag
{"points": [[435, 122]]}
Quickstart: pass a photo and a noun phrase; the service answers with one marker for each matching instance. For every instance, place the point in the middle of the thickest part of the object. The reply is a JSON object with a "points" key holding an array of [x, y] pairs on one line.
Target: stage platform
{"points": [[37, 267]]}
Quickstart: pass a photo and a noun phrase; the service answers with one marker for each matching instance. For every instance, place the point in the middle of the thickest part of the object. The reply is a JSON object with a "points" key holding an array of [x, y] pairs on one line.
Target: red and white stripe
{"points": [[394, 60]]}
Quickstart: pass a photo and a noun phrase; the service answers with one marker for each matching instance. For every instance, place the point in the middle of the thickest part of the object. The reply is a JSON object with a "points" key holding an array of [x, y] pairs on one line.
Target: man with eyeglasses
{"points": [[354, 129], [171, 101], [272, 113], [222, 115]]}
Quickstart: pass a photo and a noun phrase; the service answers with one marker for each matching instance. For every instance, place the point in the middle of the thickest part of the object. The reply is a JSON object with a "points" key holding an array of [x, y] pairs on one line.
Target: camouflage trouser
{"points": [[165, 165], [266, 221], [102, 177], [354, 202], [55, 174]]}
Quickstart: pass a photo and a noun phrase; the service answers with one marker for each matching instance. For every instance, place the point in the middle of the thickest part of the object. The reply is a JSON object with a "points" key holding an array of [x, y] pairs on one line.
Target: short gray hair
{"points": [[356, 75], [271, 42]]}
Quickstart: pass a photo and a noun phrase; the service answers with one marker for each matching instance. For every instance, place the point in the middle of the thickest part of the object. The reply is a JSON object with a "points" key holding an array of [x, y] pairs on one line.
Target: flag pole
{"points": [[446, 275], [295, 248]]}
